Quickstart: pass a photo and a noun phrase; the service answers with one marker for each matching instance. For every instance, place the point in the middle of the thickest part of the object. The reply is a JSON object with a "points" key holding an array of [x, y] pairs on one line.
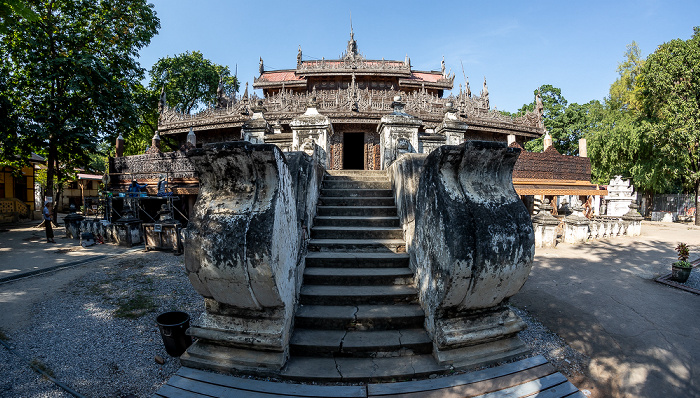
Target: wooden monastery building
{"points": [[363, 114]]}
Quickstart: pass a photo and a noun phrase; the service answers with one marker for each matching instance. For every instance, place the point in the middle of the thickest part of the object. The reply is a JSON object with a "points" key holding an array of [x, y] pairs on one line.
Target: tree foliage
{"points": [[624, 92], [651, 125], [670, 99], [566, 123], [70, 74], [191, 81]]}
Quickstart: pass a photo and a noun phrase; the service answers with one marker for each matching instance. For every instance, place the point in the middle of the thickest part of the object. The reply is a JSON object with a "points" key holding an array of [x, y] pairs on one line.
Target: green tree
{"points": [[624, 92], [669, 84], [566, 123], [71, 72], [137, 138], [191, 81]]}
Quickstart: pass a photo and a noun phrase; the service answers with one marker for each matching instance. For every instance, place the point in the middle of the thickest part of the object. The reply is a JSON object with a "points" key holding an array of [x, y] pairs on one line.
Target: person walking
{"points": [[48, 206]]}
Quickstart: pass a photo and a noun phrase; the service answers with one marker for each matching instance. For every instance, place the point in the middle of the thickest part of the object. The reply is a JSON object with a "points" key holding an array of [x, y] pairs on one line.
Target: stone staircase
{"points": [[359, 317]]}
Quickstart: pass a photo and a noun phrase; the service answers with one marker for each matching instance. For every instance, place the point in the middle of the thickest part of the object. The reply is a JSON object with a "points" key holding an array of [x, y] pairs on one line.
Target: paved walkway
{"points": [[642, 337], [24, 250]]}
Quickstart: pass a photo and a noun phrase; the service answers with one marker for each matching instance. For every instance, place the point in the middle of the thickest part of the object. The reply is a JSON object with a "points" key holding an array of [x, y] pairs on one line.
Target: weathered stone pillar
{"points": [[634, 219], [545, 225], [452, 127], [398, 134], [576, 225], [241, 252], [310, 128], [128, 228], [255, 129], [473, 248], [72, 222]]}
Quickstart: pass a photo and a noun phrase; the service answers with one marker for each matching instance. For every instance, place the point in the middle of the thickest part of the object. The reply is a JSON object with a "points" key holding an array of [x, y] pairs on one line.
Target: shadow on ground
{"points": [[641, 337]]}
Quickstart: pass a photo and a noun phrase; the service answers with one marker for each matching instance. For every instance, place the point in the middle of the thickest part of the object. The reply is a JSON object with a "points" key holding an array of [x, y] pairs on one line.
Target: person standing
{"points": [[48, 206]]}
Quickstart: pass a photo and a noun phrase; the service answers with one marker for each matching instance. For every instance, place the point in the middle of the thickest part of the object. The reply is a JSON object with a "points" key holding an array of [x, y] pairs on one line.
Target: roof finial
{"points": [[351, 32]]}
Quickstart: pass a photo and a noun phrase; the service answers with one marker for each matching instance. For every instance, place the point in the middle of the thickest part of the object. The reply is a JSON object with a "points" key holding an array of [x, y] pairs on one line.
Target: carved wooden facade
{"points": [[354, 93]]}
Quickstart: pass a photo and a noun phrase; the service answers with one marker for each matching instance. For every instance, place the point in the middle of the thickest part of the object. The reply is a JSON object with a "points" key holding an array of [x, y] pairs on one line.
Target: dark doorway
{"points": [[21, 188], [354, 151]]}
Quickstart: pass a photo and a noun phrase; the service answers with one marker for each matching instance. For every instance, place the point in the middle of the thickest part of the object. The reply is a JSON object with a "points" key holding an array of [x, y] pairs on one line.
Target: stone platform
{"points": [[525, 378]]}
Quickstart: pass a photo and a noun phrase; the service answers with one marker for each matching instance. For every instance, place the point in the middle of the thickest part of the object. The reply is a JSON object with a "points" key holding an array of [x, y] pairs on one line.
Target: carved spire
{"points": [[485, 94], [261, 67], [352, 53], [299, 57], [442, 66], [467, 89]]}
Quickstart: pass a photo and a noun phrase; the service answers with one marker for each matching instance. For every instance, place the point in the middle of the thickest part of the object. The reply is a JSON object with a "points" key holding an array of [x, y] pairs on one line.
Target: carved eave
{"points": [[441, 83], [287, 84], [359, 67]]}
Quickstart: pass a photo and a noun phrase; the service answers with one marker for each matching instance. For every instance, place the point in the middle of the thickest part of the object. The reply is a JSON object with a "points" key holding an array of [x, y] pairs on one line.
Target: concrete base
{"points": [[483, 354], [479, 340], [204, 355]]}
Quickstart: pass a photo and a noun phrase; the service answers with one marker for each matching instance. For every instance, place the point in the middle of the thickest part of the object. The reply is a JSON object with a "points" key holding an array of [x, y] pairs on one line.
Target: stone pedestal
{"points": [[242, 250], [128, 229], [309, 129], [452, 127], [545, 226], [576, 225], [72, 222], [634, 220], [255, 129], [398, 134]]}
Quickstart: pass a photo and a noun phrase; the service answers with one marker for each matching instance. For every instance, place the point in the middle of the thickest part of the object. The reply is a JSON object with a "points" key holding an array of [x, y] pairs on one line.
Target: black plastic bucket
{"points": [[173, 326]]}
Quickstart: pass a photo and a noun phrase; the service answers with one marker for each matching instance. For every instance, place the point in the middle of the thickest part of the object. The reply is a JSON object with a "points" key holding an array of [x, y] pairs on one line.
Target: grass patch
{"points": [[135, 306], [37, 364]]}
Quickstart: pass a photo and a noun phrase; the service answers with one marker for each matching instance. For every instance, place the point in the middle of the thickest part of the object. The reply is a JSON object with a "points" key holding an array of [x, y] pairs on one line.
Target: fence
{"points": [[677, 204]]}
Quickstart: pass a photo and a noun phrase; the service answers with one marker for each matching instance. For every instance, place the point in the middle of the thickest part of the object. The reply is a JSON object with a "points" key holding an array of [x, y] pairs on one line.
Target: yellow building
{"points": [[17, 191]]}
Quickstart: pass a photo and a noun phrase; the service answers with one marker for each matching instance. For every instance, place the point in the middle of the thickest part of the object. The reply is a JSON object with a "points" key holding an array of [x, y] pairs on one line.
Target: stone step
{"points": [[355, 184], [356, 260], [355, 192], [358, 276], [355, 173], [355, 201], [359, 343], [332, 232], [358, 245], [360, 317], [357, 211], [362, 369], [355, 178], [356, 295], [356, 221]]}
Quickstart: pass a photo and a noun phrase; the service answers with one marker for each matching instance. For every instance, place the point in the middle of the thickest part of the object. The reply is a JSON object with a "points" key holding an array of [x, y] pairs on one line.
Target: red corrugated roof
{"points": [[279, 76]]}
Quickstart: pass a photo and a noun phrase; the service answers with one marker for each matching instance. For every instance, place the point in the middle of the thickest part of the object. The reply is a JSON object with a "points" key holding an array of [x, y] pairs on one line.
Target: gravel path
{"points": [[100, 337]]}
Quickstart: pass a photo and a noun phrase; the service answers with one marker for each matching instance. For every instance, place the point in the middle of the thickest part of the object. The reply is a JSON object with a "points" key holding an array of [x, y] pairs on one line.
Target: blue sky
{"points": [[517, 46]]}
